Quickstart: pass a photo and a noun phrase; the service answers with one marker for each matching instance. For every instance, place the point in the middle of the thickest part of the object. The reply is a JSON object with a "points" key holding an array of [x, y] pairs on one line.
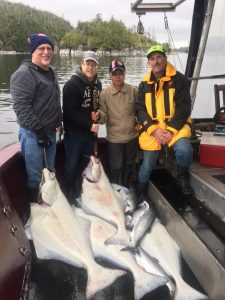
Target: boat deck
{"points": [[198, 230], [209, 185]]}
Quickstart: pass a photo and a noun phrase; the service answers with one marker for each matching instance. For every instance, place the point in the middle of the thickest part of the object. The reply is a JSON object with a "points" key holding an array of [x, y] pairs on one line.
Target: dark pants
{"points": [[78, 149], [122, 161]]}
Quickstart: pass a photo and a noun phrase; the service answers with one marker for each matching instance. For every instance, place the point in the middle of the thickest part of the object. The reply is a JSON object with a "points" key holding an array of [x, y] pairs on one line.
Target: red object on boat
{"points": [[212, 150]]}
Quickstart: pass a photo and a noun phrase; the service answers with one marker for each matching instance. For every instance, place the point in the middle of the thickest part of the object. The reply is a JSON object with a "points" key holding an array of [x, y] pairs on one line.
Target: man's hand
{"points": [[44, 141], [59, 130], [95, 116], [95, 128], [162, 136], [168, 137]]}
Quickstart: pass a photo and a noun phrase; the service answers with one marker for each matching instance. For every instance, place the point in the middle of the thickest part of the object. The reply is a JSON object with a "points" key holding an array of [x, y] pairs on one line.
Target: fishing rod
{"points": [[95, 108]]}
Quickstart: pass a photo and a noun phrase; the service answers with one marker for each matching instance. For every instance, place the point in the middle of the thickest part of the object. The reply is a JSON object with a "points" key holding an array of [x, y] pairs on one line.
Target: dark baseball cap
{"points": [[116, 65]]}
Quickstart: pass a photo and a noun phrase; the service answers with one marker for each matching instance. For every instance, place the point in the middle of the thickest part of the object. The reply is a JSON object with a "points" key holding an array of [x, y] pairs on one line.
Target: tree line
{"points": [[18, 21]]}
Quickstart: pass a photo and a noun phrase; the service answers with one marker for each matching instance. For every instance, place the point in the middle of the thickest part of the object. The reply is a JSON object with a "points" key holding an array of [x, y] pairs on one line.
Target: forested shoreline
{"points": [[18, 21]]}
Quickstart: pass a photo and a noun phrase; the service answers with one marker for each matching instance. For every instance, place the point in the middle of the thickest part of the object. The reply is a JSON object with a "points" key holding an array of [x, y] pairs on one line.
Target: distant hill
{"points": [[18, 21], [181, 49]]}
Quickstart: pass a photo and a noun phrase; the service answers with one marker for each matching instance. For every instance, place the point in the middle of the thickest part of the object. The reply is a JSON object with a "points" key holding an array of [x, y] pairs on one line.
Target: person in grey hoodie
{"points": [[80, 103], [36, 101]]}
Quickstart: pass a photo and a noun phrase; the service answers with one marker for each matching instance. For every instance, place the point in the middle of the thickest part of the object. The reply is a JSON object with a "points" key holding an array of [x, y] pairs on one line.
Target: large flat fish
{"points": [[59, 231], [144, 282], [98, 198], [159, 244]]}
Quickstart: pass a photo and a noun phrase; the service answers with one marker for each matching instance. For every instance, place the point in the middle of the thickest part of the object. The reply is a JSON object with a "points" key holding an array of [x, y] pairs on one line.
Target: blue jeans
{"points": [[78, 149], [34, 157], [183, 153]]}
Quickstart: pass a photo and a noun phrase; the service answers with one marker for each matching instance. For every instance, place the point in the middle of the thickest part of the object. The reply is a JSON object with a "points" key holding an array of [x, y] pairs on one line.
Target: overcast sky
{"points": [[84, 10]]}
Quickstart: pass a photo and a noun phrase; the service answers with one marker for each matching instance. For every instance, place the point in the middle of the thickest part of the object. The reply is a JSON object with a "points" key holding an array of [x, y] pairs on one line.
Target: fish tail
{"points": [[99, 278], [119, 238], [145, 283], [186, 292]]}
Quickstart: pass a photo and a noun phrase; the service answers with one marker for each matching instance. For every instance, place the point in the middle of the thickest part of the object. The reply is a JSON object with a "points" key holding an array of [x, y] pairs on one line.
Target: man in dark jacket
{"points": [[163, 108], [36, 95], [80, 102]]}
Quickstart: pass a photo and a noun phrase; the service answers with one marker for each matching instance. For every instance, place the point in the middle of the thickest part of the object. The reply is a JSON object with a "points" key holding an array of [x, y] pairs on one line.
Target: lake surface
{"points": [[136, 67]]}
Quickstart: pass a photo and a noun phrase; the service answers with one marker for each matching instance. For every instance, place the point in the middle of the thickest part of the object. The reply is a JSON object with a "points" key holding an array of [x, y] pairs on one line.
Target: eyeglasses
{"points": [[42, 49]]}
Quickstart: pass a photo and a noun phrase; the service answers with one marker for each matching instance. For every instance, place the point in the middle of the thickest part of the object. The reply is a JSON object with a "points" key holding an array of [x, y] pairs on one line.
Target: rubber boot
{"points": [[183, 180], [115, 176], [69, 189], [141, 191], [78, 187], [33, 194]]}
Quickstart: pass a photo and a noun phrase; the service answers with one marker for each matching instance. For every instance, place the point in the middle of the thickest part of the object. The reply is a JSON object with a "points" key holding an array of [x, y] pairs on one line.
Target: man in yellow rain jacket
{"points": [[163, 108]]}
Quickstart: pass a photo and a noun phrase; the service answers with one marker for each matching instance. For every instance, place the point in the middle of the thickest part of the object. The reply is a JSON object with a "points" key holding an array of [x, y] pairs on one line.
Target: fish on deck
{"points": [[98, 198], [100, 230], [159, 244], [128, 197], [140, 222], [57, 233]]}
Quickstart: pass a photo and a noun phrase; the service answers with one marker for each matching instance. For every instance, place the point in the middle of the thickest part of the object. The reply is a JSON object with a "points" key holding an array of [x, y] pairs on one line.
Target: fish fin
{"points": [[119, 239], [100, 278], [146, 283], [78, 202], [134, 250], [185, 292], [129, 226]]}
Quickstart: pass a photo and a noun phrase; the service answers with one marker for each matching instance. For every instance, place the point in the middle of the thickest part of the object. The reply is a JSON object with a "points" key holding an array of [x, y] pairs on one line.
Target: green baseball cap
{"points": [[155, 48]]}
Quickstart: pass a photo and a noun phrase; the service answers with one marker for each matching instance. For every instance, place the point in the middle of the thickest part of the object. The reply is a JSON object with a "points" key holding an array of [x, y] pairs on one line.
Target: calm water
{"points": [[64, 65]]}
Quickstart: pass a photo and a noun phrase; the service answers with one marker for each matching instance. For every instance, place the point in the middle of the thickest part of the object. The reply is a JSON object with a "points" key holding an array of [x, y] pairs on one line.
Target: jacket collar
{"points": [[170, 71], [84, 78], [115, 91]]}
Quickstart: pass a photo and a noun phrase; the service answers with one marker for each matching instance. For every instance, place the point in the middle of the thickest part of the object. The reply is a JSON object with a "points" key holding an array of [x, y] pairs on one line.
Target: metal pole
{"points": [[178, 3], [45, 158], [135, 4], [201, 50]]}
